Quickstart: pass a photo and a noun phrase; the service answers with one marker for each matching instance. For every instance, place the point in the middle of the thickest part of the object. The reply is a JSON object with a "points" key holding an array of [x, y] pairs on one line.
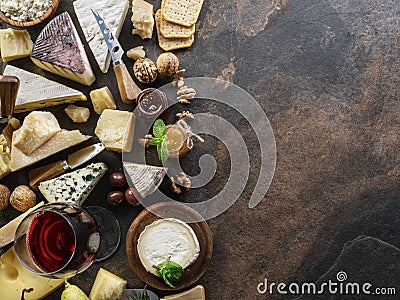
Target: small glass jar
{"points": [[151, 103], [178, 141]]}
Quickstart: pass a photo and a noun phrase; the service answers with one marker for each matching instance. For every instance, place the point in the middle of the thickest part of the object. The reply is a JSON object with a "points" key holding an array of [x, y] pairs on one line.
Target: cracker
{"points": [[172, 30], [168, 44], [182, 12]]}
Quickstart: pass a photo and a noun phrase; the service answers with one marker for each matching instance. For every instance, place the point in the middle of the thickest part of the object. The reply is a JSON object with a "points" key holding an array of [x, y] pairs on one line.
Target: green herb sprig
{"points": [[142, 296], [160, 139], [169, 271]]}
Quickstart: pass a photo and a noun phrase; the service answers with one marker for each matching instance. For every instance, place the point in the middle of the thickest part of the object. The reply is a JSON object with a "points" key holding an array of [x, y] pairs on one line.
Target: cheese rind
{"points": [[115, 129], [166, 238], [15, 44], [47, 92], [111, 10], [75, 186], [59, 50]]}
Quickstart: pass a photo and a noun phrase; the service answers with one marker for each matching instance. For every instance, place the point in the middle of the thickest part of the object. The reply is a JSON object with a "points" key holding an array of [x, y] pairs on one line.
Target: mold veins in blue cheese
{"points": [[75, 186], [59, 50]]}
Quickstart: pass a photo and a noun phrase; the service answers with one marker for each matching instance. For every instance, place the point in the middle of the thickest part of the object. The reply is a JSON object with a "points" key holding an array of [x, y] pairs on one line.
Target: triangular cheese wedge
{"points": [[75, 186], [47, 92], [114, 12], [59, 50], [146, 179], [61, 141]]}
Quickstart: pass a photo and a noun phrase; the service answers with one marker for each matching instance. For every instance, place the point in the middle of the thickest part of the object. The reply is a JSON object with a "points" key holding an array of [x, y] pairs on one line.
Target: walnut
{"points": [[167, 64], [174, 187], [145, 70], [22, 198], [145, 142], [185, 94], [184, 180], [178, 76], [185, 114], [4, 196]]}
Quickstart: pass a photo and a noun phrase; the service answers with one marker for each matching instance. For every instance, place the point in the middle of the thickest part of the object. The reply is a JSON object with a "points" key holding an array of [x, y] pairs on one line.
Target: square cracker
{"points": [[182, 12], [173, 30], [168, 44]]}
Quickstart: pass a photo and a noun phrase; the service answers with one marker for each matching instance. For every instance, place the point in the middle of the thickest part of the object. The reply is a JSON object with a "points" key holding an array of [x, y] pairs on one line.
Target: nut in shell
{"points": [[145, 70], [167, 64], [4, 196], [22, 198]]}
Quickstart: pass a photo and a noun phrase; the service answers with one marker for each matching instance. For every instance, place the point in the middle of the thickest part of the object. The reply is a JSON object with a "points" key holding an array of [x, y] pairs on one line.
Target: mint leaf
{"points": [[159, 128], [155, 141], [164, 151], [169, 271]]}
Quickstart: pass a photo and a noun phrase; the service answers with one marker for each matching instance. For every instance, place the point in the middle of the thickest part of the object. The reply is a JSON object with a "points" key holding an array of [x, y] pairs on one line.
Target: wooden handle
{"points": [[47, 172], [127, 87], [9, 86], [196, 293]]}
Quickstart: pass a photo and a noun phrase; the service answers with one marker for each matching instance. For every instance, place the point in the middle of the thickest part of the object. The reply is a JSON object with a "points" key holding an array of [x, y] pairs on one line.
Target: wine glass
{"points": [[57, 240]]}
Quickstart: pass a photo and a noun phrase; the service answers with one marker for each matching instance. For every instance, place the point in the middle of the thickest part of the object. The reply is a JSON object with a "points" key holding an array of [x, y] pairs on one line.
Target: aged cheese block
{"points": [[46, 92], [146, 179], [59, 50], [74, 186], [167, 238], [102, 99], [38, 128], [77, 114], [61, 141], [14, 278], [107, 286], [115, 129], [15, 44], [114, 12], [142, 19], [5, 157]]}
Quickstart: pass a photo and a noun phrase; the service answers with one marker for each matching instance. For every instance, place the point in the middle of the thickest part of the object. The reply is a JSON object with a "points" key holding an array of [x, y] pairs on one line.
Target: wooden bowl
{"points": [[50, 11], [170, 210]]}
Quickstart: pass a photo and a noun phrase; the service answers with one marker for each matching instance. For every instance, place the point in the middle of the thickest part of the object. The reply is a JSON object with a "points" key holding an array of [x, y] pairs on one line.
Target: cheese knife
{"points": [[196, 293], [127, 87], [74, 160]]}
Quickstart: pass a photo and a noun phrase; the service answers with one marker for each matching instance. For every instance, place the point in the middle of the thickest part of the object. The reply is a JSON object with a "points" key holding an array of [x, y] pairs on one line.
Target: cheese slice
{"points": [[107, 286], [166, 238], [15, 44], [36, 91], [114, 12], [59, 50], [38, 128], [142, 19], [75, 186], [61, 141], [146, 179], [14, 278]]}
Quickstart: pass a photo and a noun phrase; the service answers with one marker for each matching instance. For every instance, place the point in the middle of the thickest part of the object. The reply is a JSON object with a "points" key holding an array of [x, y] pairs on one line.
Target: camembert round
{"points": [[167, 238]]}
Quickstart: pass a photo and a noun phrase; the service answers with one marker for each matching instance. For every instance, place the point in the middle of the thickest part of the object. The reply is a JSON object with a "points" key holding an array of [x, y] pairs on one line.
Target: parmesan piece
{"points": [[102, 99], [77, 114], [142, 19], [15, 44]]}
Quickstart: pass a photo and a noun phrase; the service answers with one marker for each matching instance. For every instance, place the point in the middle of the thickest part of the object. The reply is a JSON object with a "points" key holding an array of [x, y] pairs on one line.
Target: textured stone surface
{"points": [[327, 74]]}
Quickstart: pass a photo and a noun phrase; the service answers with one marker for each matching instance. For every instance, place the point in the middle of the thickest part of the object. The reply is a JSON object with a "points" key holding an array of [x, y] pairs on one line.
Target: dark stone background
{"points": [[327, 74]]}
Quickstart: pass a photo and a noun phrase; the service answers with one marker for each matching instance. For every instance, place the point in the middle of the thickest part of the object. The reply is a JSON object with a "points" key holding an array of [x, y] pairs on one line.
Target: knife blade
{"points": [[196, 293], [127, 87], [74, 160]]}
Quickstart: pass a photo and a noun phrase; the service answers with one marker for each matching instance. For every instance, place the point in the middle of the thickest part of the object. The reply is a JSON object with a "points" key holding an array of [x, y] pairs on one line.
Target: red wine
{"points": [[51, 241]]}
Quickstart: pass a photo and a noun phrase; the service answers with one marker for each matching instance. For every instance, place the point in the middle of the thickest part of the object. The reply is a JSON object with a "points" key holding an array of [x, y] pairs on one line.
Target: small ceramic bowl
{"points": [[50, 11]]}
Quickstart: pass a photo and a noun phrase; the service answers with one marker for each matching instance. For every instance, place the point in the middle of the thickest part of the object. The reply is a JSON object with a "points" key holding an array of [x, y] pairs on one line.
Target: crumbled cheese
{"points": [[24, 10]]}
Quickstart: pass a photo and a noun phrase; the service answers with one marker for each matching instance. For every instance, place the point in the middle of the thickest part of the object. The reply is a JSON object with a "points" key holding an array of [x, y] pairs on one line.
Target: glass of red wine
{"points": [[57, 240]]}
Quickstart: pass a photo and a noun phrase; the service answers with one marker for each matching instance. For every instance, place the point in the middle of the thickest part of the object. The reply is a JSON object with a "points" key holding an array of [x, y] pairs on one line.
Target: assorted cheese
{"points": [[77, 114], [15, 44], [142, 19], [114, 12], [115, 129], [5, 157], [47, 92], [75, 186], [107, 286], [58, 49], [167, 238], [102, 99]]}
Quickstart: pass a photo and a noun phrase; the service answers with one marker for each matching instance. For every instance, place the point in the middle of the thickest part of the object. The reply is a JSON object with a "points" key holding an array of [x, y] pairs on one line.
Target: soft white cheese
{"points": [[167, 238]]}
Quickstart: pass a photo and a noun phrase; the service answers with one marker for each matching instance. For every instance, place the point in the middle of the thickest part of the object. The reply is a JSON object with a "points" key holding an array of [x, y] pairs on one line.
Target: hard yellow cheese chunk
{"points": [[115, 129], [142, 19], [5, 157], [15, 44], [102, 99], [107, 286]]}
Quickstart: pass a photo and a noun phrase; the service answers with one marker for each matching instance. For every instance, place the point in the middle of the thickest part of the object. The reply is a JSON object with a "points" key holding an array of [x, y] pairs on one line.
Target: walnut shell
{"points": [[145, 70], [4, 196], [167, 64], [22, 198]]}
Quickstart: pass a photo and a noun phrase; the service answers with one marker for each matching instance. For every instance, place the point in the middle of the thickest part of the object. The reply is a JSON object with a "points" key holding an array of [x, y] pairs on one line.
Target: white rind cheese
{"points": [[46, 92], [167, 238], [75, 186], [114, 12]]}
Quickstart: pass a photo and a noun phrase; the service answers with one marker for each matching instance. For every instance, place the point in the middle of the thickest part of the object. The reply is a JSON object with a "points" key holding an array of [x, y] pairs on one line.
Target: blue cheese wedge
{"points": [[166, 238], [36, 91], [58, 49], [75, 186], [114, 11]]}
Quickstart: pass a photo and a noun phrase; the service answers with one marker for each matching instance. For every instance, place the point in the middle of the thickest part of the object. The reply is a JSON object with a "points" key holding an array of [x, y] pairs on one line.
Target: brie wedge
{"points": [[166, 238]]}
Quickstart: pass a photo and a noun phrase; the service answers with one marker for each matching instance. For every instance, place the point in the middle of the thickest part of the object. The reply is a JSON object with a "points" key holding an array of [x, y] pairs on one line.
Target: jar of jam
{"points": [[178, 141], [151, 103]]}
